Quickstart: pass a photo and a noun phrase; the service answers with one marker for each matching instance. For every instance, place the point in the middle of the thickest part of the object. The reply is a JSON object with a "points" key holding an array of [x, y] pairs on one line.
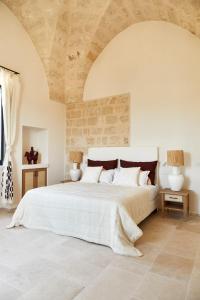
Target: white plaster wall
{"points": [[159, 64], [18, 53]]}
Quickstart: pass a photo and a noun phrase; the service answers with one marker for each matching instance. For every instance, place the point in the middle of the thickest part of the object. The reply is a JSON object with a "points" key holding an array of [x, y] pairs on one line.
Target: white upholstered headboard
{"points": [[127, 153]]}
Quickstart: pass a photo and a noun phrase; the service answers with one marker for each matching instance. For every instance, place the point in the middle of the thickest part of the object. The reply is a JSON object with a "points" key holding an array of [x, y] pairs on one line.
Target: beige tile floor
{"points": [[39, 265]]}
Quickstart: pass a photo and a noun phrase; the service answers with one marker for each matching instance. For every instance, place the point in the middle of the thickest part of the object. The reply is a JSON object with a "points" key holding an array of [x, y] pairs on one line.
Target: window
{"points": [[2, 143]]}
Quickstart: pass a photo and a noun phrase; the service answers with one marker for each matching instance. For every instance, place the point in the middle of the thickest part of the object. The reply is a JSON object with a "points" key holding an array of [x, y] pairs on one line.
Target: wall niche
{"points": [[38, 138]]}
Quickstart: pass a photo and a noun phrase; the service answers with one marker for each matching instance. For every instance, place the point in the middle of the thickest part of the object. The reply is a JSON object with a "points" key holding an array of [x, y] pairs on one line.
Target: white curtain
{"points": [[10, 90]]}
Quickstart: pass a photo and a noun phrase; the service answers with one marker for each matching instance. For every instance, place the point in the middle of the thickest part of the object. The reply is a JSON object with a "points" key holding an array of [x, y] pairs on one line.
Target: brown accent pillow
{"points": [[107, 164], [144, 165]]}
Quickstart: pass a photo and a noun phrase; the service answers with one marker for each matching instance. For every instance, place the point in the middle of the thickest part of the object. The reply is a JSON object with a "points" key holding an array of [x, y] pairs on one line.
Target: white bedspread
{"points": [[99, 213]]}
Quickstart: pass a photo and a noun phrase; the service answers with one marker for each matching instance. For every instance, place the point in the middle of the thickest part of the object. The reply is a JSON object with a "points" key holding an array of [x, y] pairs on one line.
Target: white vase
{"points": [[75, 173], [176, 179]]}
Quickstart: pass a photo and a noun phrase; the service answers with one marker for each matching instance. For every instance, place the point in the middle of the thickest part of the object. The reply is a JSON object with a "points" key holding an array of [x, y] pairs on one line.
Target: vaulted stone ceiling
{"points": [[70, 34]]}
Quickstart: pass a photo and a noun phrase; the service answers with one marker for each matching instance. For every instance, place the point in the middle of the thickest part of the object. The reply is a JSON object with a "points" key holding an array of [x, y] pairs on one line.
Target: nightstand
{"points": [[175, 201]]}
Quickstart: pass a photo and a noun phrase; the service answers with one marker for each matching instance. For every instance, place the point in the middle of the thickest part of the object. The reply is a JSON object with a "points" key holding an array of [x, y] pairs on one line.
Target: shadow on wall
{"points": [[195, 197], [187, 160], [187, 164]]}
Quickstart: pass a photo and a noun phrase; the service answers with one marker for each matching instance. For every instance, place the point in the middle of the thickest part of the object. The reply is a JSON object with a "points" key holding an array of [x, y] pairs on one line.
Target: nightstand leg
{"points": [[162, 204], [185, 206]]}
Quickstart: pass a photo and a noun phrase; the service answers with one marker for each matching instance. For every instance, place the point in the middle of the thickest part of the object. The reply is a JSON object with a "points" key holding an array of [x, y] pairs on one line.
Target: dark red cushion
{"points": [[144, 165], [107, 164]]}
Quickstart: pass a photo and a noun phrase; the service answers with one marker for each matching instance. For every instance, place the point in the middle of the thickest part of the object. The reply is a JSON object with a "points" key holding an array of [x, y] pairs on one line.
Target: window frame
{"points": [[2, 132]]}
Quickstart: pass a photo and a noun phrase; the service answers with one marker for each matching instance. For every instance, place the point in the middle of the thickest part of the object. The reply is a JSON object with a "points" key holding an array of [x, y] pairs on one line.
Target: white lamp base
{"points": [[176, 180], [75, 174]]}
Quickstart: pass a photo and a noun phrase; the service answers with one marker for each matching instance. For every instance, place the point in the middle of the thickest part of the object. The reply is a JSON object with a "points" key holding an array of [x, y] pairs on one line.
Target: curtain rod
{"points": [[9, 70]]}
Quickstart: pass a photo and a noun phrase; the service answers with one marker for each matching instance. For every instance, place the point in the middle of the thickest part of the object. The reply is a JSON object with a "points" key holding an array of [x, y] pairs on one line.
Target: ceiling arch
{"points": [[70, 34]]}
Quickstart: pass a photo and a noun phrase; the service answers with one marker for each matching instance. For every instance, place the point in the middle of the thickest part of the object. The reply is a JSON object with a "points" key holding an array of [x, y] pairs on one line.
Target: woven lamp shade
{"points": [[175, 158], [76, 156]]}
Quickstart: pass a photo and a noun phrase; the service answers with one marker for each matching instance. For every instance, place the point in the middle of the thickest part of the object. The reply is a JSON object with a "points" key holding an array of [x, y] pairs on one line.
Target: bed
{"points": [[101, 213]]}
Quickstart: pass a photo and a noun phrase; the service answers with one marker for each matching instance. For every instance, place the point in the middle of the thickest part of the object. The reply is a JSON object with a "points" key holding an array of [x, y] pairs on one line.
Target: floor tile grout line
{"points": [[189, 282], [148, 271]]}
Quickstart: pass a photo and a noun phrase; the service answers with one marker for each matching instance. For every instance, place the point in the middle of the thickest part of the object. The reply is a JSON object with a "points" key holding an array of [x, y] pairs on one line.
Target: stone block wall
{"points": [[98, 123]]}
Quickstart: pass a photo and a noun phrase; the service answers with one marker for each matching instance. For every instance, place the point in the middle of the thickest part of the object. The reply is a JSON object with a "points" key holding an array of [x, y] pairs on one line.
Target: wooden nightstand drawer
{"points": [[175, 201], [174, 198]]}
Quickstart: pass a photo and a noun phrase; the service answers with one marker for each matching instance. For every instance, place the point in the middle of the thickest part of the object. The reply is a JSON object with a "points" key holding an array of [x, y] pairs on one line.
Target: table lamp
{"points": [[175, 158]]}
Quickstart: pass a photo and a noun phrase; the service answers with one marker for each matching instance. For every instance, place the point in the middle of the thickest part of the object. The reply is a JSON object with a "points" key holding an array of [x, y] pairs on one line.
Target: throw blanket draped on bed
{"points": [[99, 213]]}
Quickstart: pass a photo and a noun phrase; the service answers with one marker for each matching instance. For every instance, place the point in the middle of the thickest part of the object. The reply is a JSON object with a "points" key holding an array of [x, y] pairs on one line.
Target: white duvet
{"points": [[99, 213]]}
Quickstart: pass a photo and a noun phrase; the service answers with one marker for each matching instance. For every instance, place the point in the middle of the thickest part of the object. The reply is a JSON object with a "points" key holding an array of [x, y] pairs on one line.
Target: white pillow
{"points": [[91, 174], [106, 176], [143, 177], [127, 176]]}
